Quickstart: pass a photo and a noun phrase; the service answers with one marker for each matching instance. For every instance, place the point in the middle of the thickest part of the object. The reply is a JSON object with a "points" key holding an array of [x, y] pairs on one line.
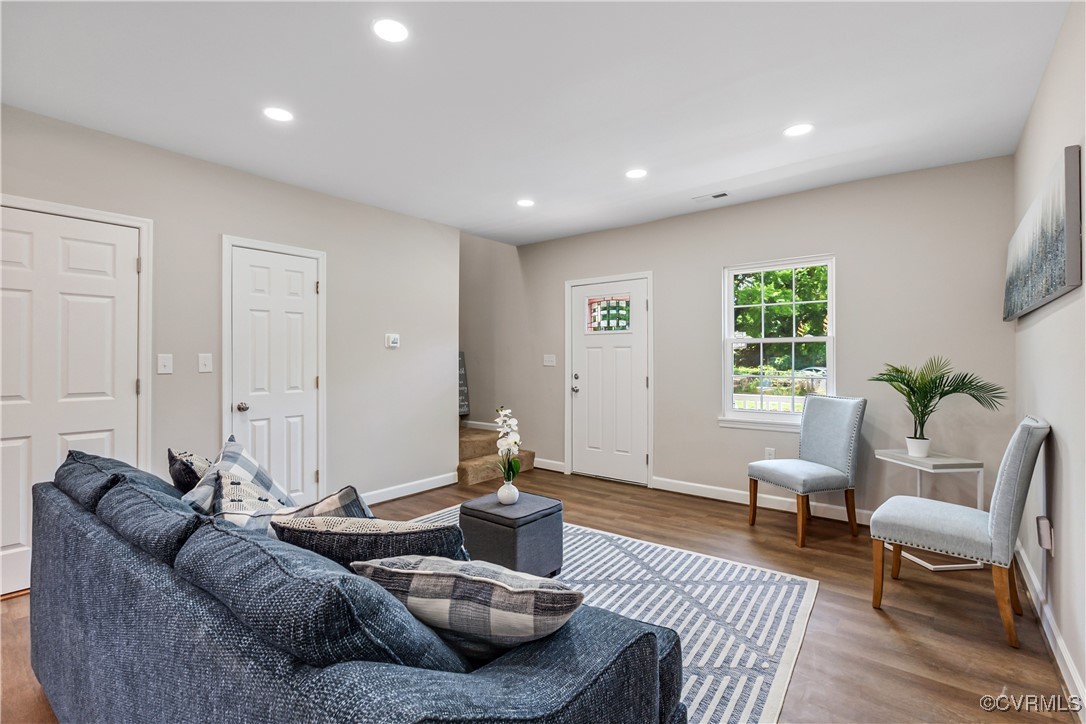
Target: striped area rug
{"points": [[741, 626]]}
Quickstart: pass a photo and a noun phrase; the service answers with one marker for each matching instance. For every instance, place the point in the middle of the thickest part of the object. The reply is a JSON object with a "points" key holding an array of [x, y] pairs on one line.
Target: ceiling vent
{"points": [[711, 197]]}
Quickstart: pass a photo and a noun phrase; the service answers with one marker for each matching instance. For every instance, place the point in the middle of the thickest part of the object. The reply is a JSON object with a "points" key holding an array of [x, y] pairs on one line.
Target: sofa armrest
{"points": [[597, 668]]}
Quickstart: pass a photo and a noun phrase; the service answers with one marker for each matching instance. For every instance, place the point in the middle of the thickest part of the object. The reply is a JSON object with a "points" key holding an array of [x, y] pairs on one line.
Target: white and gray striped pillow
{"points": [[478, 607]]}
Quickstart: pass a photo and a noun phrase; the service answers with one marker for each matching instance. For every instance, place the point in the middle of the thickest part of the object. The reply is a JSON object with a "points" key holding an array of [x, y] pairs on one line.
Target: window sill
{"points": [[764, 425]]}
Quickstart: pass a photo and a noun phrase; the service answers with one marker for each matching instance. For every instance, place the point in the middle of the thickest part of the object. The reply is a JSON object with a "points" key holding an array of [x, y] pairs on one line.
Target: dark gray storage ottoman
{"points": [[525, 536]]}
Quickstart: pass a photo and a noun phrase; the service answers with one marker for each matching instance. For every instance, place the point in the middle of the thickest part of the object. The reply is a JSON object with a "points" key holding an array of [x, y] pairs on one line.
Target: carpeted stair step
{"points": [[484, 468], [476, 443]]}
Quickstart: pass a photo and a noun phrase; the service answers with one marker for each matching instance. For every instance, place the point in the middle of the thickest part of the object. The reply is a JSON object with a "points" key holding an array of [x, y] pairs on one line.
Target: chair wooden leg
{"points": [[807, 506], [850, 507], [1012, 579], [753, 502], [895, 562], [1000, 580], [801, 520], [877, 551]]}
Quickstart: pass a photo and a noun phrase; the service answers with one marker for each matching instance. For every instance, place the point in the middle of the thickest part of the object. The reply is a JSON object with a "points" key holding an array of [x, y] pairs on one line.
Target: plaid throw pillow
{"points": [[243, 502], [477, 607], [248, 507], [186, 469], [343, 504], [240, 465], [345, 540]]}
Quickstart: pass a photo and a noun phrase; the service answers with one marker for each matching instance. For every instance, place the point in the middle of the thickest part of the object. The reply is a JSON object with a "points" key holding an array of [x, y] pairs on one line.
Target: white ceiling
{"points": [[488, 103]]}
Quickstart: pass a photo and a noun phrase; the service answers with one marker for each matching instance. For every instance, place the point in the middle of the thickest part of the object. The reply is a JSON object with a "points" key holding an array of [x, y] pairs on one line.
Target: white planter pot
{"points": [[508, 493], [918, 447]]}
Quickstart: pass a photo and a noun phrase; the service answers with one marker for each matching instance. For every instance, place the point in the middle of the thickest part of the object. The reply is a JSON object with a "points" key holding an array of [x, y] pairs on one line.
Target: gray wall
{"points": [[920, 262], [391, 414], [1050, 347]]}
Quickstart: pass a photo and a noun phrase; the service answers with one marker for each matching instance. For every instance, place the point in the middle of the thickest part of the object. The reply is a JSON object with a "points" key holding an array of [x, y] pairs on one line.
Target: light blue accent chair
{"points": [[959, 530], [829, 437]]}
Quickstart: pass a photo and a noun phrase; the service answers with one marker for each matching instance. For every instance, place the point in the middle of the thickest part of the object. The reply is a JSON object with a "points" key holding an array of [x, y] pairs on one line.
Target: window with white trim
{"points": [[778, 339]]}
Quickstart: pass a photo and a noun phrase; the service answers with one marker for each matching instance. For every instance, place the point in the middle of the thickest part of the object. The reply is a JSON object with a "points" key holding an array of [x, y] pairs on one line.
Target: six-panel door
{"points": [[69, 358], [274, 371]]}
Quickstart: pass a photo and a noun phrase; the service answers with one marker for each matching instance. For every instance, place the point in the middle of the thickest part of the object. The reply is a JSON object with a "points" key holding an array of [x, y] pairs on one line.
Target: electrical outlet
{"points": [[770, 453], [392, 341], [549, 360]]}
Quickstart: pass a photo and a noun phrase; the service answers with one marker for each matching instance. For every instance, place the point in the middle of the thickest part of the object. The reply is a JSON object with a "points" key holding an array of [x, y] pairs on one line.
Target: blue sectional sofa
{"points": [[144, 611]]}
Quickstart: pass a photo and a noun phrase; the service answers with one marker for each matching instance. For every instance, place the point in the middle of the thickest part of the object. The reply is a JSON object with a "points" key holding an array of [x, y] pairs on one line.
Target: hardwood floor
{"points": [[933, 650]]}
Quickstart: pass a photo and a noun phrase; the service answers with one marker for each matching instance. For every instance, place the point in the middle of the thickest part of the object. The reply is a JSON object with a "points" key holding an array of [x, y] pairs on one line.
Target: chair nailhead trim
{"points": [[810, 492], [939, 550]]}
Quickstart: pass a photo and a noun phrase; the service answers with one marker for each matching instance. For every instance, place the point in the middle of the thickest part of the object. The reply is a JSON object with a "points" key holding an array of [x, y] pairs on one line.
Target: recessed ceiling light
{"points": [[800, 129], [525, 203], [391, 30], [279, 114], [637, 173]]}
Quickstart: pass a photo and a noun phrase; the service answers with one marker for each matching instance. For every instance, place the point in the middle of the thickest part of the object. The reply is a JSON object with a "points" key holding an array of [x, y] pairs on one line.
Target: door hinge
{"points": [[139, 264], [646, 382], [317, 476], [318, 382], [318, 287], [646, 305], [646, 458], [137, 385]]}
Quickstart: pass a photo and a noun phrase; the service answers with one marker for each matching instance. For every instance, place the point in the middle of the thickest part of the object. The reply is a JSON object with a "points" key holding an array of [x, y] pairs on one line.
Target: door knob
{"points": [[575, 389], [243, 407]]}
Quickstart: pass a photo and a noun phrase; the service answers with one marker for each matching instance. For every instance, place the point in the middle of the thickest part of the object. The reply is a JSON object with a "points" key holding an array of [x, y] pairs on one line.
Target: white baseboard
{"points": [[1072, 677], [415, 486], [775, 502], [480, 425], [557, 466]]}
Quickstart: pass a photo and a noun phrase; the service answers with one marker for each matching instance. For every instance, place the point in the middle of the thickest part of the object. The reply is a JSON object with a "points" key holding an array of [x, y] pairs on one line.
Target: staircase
{"points": [[479, 457]]}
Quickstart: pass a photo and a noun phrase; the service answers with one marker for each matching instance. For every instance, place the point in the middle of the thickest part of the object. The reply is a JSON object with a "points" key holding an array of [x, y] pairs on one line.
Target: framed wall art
{"points": [[1044, 258]]}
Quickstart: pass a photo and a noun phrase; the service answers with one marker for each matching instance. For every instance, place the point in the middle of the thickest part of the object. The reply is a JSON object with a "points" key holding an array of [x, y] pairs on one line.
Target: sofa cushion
{"points": [[234, 460], [186, 469], [346, 540], [86, 478], [479, 607], [306, 604], [149, 519]]}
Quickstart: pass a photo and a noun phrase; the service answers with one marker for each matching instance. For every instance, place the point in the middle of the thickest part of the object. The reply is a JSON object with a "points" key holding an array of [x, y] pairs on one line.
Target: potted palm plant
{"points": [[925, 387]]}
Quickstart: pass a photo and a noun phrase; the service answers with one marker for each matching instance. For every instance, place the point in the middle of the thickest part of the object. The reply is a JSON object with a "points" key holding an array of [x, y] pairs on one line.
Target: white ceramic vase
{"points": [[918, 447], [508, 493]]}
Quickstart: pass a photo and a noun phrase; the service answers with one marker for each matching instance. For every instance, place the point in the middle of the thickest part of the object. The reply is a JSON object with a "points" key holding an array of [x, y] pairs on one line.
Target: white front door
{"points": [[70, 343], [274, 365], [609, 379]]}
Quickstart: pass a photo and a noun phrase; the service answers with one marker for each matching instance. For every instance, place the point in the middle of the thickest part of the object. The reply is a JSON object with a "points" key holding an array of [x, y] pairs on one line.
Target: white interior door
{"points": [[70, 309], [274, 345], [609, 379]]}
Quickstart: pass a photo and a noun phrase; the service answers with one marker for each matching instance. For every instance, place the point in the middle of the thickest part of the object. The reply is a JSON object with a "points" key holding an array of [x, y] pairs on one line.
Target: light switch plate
{"points": [[165, 364], [203, 362], [549, 360], [392, 340]]}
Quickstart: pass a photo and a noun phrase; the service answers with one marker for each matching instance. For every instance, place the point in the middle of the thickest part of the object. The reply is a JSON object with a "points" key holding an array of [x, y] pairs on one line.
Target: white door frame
{"points": [[144, 338], [570, 284], [229, 243]]}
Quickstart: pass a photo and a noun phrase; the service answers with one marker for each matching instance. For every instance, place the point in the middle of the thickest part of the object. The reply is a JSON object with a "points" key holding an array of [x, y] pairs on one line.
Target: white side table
{"points": [[936, 464]]}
